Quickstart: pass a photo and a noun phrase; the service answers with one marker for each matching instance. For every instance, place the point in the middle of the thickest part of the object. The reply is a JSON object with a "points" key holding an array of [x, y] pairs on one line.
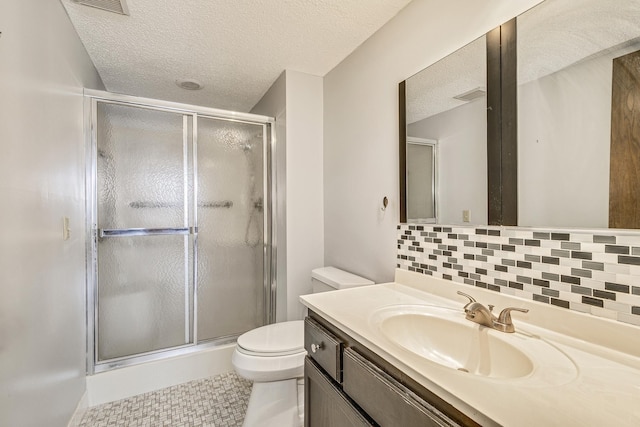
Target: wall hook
{"points": [[385, 202]]}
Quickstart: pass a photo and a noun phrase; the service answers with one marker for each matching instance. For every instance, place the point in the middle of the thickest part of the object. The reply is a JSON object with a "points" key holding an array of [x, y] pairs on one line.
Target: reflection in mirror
{"points": [[421, 180], [577, 116], [446, 102]]}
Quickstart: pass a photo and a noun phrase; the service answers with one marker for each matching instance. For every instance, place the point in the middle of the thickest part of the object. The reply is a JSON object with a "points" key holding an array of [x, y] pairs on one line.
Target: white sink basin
{"points": [[443, 336]]}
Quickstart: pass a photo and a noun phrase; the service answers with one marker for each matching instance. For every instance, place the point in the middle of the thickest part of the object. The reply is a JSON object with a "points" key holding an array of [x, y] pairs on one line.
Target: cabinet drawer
{"points": [[387, 401], [323, 347], [325, 404]]}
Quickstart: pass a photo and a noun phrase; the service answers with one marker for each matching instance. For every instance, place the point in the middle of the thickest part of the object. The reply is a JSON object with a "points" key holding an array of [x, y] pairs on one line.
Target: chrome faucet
{"points": [[484, 316]]}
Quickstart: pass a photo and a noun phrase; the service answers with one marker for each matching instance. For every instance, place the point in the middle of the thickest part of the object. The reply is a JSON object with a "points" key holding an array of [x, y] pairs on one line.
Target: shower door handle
{"points": [[128, 232]]}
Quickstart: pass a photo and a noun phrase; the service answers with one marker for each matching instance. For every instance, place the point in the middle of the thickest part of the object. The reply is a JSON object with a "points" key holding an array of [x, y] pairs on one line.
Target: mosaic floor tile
{"points": [[219, 401]]}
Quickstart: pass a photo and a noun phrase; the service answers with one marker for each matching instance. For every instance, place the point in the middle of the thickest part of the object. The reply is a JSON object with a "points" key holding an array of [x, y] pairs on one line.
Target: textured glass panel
{"points": [[230, 228], [143, 181], [140, 168], [142, 294]]}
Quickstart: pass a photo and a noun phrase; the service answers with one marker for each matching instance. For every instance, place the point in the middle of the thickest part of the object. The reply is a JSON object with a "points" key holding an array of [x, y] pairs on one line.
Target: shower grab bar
{"points": [[127, 232], [141, 205], [222, 204]]}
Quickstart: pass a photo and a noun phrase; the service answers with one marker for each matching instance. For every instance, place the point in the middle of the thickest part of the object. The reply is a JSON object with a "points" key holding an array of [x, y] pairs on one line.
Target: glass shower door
{"points": [[232, 292], [145, 248]]}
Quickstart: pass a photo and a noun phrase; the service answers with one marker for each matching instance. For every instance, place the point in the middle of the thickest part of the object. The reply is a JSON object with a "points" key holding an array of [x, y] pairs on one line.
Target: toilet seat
{"points": [[278, 339], [271, 353]]}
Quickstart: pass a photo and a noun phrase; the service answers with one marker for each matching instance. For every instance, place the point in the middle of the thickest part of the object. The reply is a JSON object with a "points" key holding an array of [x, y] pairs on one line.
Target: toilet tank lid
{"points": [[339, 279]]}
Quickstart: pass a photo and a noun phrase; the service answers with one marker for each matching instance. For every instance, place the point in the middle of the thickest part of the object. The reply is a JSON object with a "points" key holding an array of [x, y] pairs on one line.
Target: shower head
{"points": [[250, 144], [103, 155]]}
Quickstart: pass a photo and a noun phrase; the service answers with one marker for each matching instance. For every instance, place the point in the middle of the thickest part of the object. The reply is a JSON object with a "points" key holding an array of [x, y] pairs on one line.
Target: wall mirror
{"points": [[578, 119], [579, 114], [446, 104]]}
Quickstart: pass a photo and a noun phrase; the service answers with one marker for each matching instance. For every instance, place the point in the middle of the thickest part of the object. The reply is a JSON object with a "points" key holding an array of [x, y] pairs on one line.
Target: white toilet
{"points": [[273, 358]]}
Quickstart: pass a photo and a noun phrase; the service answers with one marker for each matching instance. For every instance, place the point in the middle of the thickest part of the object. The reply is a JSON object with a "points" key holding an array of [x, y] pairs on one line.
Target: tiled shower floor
{"points": [[219, 401]]}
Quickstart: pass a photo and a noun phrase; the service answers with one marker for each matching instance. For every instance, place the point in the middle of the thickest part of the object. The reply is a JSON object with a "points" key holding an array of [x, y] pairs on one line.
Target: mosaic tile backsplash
{"points": [[591, 273]]}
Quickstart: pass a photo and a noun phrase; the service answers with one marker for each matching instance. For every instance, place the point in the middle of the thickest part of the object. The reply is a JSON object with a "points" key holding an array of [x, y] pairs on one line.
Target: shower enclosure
{"points": [[180, 246]]}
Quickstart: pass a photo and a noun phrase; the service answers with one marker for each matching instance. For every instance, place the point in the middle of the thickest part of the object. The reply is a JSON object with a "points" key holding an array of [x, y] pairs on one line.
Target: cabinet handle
{"points": [[316, 347]]}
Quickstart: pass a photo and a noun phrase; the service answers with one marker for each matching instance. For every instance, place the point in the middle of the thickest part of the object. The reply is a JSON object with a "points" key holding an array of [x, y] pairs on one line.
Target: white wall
{"points": [[305, 215], [301, 143], [361, 124], [43, 67], [564, 137], [462, 160], [274, 103]]}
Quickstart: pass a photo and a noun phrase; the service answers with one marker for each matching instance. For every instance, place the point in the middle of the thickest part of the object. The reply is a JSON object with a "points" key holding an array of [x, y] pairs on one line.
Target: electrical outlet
{"points": [[466, 215]]}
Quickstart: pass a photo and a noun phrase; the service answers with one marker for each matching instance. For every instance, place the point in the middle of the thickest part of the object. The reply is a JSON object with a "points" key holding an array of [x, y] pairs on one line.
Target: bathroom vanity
{"points": [[347, 384], [403, 354]]}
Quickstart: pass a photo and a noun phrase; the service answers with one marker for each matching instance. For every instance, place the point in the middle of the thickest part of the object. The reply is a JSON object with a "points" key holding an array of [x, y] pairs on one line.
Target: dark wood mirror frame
{"points": [[502, 128]]}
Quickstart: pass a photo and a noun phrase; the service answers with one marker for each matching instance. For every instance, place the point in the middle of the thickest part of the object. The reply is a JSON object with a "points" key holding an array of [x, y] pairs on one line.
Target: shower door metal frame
{"points": [[91, 99]]}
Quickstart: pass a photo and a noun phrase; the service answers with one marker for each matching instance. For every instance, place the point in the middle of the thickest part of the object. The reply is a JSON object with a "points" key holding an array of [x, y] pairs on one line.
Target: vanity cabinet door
{"points": [[384, 399], [323, 347], [325, 404]]}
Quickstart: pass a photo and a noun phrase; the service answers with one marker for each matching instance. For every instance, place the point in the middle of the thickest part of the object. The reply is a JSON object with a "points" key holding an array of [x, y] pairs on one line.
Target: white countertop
{"points": [[604, 392]]}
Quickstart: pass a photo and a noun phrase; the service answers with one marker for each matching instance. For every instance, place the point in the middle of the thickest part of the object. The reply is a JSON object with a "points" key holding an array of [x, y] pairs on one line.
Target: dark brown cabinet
{"points": [[325, 404], [324, 348], [348, 385]]}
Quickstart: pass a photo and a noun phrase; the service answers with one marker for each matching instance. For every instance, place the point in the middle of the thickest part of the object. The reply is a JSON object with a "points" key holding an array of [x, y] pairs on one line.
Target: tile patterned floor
{"points": [[219, 401]]}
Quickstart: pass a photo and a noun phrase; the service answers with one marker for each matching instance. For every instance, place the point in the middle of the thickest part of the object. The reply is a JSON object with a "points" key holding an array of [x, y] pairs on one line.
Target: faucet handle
{"points": [[504, 322], [471, 299]]}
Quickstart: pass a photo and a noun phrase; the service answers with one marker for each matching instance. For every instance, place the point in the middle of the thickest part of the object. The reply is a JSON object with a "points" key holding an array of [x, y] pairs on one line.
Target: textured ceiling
{"points": [[431, 91], [235, 48], [551, 36]]}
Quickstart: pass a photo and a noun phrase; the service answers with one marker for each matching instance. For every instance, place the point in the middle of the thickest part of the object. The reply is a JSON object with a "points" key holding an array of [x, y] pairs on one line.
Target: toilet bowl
{"points": [[272, 356]]}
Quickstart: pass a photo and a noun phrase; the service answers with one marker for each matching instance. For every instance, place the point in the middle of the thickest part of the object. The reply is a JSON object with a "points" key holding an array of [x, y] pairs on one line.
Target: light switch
{"points": [[466, 215], [66, 231]]}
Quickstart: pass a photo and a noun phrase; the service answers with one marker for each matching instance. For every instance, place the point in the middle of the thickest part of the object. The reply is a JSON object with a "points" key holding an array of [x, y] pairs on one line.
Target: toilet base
{"points": [[275, 404]]}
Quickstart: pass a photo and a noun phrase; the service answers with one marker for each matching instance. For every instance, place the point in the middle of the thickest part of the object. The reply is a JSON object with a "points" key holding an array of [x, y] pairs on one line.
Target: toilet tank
{"points": [[331, 278]]}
